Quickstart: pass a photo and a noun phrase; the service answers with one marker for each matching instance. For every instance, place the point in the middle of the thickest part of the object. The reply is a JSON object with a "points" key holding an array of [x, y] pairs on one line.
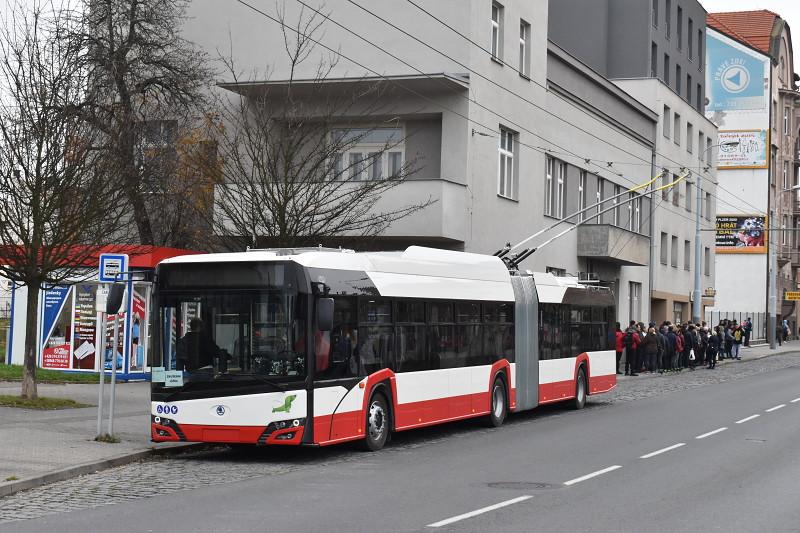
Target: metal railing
{"points": [[759, 320]]}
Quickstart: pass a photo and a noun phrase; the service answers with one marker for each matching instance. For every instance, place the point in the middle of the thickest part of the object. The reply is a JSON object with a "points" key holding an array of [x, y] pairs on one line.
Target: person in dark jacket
{"points": [[649, 348], [631, 341], [688, 345], [714, 342]]}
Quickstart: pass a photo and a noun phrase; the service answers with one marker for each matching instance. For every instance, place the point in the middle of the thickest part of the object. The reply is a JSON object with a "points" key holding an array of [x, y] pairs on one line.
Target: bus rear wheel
{"points": [[376, 430], [499, 405], [580, 390]]}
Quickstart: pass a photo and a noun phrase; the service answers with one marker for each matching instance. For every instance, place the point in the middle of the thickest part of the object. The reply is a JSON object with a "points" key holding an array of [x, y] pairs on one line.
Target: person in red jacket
{"points": [[619, 336]]}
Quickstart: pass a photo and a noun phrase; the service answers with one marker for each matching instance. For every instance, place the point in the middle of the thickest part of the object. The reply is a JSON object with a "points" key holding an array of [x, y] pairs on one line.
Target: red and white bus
{"points": [[321, 347]]}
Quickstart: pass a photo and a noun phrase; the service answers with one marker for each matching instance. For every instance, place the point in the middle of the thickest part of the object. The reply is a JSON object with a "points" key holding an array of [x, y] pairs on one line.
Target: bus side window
{"points": [[343, 341]]}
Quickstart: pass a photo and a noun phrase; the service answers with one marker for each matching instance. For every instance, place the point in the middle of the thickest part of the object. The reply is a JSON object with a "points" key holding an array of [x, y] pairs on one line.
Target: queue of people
{"points": [[675, 347]]}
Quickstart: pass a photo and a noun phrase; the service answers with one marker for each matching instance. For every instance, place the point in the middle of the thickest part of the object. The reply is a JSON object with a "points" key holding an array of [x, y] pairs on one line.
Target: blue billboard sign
{"points": [[54, 300], [737, 77]]}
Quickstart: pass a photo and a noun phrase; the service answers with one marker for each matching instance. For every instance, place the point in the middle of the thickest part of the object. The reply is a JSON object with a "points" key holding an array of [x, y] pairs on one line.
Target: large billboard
{"points": [[743, 149], [741, 234], [737, 78]]}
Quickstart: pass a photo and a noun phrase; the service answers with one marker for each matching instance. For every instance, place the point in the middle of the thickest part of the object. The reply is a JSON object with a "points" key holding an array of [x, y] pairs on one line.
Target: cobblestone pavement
{"points": [[221, 465]]}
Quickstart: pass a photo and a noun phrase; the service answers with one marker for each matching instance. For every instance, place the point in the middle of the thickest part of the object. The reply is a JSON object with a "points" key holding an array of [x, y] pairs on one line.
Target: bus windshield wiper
{"points": [[255, 377]]}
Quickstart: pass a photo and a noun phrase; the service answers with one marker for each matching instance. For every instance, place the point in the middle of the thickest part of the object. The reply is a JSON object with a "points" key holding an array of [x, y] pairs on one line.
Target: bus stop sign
{"points": [[112, 265]]}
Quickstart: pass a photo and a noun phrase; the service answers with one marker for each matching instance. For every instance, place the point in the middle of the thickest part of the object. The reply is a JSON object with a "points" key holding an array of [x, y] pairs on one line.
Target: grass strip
{"points": [[43, 375], [42, 403]]}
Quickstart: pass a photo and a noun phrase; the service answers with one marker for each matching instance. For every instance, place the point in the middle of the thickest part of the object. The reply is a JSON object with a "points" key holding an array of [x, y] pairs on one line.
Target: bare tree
{"points": [[289, 154], [56, 206], [143, 74]]}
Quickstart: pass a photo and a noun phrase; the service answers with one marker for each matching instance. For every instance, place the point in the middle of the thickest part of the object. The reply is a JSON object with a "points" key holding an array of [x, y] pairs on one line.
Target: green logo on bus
{"points": [[287, 404]]}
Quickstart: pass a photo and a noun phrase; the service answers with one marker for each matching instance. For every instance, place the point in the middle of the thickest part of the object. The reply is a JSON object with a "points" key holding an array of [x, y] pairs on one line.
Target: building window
{"points": [[667, 17], [687, 255], [497, 30], [690, 34], [507, 186], [677, 313], [674, 255], [773, 165], [678, 79], [774, 115], [582, 194], [601, 185], [631, 221], [707, 261], [784, 225], [667, 118], [688, 196], [676, 194], [700, 143], [617, 193], [666, 69], [679, 28], [369, 153], [786, 121], [524, 48], [655, 13], [561, 196], [699, 98], [689, 88], [785, 175], [677, 129], [664, 248], [550, 170], [700, 59], [635, 299], [709, 155], [637, 206], [689, 137], [708, 209], [653, 60]]}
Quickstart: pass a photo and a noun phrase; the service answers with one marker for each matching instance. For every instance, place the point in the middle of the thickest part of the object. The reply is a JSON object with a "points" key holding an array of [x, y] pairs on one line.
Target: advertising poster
{"points": [[737, 77], [55, 328], [138, 333], [741, 234], [84, 327], [751, 152]]}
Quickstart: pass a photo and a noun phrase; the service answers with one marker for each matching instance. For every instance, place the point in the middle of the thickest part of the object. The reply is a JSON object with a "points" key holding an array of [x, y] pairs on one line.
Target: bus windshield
{"points": [[232, 333]]}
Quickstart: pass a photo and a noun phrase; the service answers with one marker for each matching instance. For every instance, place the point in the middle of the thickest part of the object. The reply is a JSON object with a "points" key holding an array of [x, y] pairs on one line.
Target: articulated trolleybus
{"points": [[322, 347]]}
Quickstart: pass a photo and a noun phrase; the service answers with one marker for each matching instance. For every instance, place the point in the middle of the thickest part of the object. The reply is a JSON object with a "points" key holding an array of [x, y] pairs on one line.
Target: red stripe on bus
{"points": [[602, 383]]}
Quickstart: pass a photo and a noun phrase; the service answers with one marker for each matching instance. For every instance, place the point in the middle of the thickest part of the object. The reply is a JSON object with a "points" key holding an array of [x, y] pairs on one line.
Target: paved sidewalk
{"points": [[44, 446]]}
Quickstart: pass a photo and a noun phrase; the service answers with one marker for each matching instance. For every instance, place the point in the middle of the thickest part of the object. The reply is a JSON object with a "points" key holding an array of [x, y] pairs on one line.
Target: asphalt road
{"points": [[658, 463]]}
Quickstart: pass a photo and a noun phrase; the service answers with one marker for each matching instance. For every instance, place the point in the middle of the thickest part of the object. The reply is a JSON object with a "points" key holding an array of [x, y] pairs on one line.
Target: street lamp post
{"points": [[697, 303]]}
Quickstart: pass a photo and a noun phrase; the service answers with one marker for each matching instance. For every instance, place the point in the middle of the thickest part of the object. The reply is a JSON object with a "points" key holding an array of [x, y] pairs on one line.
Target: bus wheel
{"points": [[377, 424], [580, 390], [499, 407]]}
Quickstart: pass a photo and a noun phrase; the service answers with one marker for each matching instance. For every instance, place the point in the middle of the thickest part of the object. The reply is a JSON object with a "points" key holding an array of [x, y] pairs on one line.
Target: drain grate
{"points": [[522, 485]]}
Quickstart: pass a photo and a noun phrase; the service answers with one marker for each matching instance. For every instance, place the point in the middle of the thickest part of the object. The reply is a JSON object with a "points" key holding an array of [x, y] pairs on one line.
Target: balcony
{"points": [[612, 244]]}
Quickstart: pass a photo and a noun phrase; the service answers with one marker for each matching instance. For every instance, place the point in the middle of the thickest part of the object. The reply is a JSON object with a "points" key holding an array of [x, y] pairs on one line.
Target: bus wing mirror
{"points": [[114, 300], [325, 314]]}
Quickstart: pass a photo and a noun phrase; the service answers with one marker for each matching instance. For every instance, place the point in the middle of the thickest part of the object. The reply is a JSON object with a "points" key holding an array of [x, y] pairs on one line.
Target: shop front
{"points": [[72, 325]]}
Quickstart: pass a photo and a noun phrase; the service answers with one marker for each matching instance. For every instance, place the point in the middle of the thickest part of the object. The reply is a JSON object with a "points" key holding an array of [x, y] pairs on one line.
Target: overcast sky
{"points": [[789, 10]]}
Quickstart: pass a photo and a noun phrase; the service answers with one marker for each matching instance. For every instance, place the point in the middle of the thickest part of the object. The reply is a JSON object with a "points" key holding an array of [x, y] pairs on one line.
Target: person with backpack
{"points": [[748, 329], [738, 336], [631, 341]]}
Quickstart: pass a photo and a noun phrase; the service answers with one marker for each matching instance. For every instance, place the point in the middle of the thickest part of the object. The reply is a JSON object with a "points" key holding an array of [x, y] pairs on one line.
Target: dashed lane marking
{"points": [[593, 474], [704, 435], [663, 450], [775, 408], [480, 511], [748, 419], [795, 400]]}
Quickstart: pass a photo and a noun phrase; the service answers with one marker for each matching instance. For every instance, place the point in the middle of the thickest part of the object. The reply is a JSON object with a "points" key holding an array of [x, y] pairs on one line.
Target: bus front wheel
{"points": [[376, 430], [580, 390], [499, 405]]}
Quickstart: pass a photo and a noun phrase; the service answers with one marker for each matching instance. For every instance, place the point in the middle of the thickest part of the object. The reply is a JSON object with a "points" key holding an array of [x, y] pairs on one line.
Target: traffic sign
{"points": [[111, 265], [793, 296]]}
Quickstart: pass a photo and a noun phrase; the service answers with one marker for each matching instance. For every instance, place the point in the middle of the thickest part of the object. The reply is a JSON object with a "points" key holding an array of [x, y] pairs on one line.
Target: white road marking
{"points": [[775, 408], [748, 419], [796, 400], [477, 512], [593, 474], [704, 435], [663, 450]]}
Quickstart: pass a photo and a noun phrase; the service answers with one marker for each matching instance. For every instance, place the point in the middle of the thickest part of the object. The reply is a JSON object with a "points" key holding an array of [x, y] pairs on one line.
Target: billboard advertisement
{"points": [[752, 150], [737, 77], [741, 234]]}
